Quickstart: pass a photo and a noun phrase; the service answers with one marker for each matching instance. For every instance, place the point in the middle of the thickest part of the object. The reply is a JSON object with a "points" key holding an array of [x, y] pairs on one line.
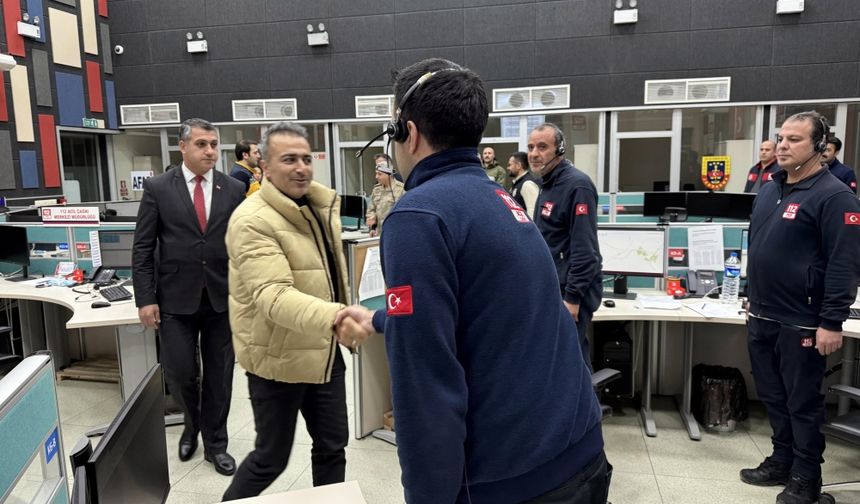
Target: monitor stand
{"points": [[24, 276], [619, 289]]}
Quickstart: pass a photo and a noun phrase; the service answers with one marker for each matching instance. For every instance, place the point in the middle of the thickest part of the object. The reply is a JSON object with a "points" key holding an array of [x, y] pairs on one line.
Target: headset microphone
{"points": [[386, 131]]}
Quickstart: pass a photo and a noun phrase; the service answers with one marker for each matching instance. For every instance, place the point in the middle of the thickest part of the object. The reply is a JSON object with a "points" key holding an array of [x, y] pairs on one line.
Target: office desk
{"points": [[136, 350]]}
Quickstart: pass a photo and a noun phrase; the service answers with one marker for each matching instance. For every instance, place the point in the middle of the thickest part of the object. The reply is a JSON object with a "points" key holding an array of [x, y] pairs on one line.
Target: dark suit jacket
{"points": [[173, 260]]}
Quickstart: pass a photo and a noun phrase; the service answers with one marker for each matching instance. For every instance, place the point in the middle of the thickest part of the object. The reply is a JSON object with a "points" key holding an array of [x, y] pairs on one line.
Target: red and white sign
{"points": [[70, 216], [752, 177], [852, 218], [513, 206], [767, 177], [398, 300], [791, 211], [676, 254], [546, 210], [581, 209]]}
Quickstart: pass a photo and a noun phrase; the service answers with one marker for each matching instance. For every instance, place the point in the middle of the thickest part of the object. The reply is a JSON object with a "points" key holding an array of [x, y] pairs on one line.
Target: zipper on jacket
{"points": [[333, 346]]}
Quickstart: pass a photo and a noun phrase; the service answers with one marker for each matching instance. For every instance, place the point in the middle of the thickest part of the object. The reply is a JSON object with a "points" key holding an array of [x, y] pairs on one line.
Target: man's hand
{"points": [[573, 309], [371, 221], [827, 341], [150, 316], [353, 325]]}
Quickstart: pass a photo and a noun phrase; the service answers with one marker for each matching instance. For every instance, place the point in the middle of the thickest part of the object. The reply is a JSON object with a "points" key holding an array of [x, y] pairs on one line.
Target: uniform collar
{"points": [[440, 162], [781, 177]]}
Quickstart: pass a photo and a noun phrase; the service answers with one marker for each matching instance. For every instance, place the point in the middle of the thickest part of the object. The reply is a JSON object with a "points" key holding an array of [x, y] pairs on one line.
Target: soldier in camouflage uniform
{"points": [[385, 193]]}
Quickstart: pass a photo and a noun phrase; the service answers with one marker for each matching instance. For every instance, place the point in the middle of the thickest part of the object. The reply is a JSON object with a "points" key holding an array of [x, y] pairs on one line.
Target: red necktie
{"points": [[200, 203]]}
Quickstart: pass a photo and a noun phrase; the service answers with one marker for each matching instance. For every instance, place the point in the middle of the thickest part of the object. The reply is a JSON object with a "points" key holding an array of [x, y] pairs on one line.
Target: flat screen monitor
{"points": [[353, 207], [745, 246], [719, 204], [80, 495], [130, 462], [15, 249], [116, 249], [655, 203], [633, 251]]}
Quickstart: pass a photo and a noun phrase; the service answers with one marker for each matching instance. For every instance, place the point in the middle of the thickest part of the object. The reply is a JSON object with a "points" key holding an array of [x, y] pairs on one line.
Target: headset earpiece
{"points": [[821, 145], [560, 150]]}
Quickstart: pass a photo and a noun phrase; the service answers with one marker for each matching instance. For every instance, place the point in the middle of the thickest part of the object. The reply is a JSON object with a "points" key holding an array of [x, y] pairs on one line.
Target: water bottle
{"points": [[731, 280]]}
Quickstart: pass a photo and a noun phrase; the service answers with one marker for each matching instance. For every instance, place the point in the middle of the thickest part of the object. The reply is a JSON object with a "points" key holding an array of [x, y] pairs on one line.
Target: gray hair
{"points": [[281, 128], [195, 122]]}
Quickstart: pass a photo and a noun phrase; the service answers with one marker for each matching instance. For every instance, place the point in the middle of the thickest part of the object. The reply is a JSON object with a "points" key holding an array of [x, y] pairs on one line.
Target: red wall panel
{"points": [[94, 86], [103, 8], [50, 159], [11, 16], [4, 112]]}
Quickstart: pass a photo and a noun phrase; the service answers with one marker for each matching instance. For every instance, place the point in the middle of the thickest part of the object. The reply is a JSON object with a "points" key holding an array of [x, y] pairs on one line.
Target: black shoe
{"points": [[768, 473], [187, 445], [223, 462], [800, 490]]}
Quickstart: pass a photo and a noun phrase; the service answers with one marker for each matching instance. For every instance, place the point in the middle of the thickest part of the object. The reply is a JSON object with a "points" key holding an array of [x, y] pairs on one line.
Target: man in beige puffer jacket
{"points": [[287, 283]]}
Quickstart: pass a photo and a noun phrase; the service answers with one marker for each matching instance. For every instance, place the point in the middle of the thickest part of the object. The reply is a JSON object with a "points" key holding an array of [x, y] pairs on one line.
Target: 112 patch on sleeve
{"points": [[513, 206]]}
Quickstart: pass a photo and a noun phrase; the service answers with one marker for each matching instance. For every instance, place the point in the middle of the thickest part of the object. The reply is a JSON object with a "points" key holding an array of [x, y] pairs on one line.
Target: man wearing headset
{"points": [[797, 306], [476, 391], [831, 161], [566, 214], [385, 194]]}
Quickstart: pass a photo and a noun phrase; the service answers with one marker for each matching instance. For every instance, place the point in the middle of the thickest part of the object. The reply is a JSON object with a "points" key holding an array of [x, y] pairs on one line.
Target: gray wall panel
{"points": [[731, 48], [807, 81], [106, 47], [180, 78], [170, 14], [231, 12], [7, 165], [818, 43], [356, 34], [572, 18], [70, 3], [732, 13], [289, 39], [42, 78], [651, 52], [169, 46], [499, 23], [481, 3], [582, 56], [501, 61], [238, 75], [345, 8], [407, 57], [424, 5], [234, 42], [428, 29], [128, 16], [137, 49], [297, 72], [362, 69], [822, 12], [290, 10], [136, 83], [657, 16]]}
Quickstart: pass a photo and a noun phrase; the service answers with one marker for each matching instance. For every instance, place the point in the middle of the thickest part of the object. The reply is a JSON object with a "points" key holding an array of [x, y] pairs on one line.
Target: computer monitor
{"points": [[80, 492], [655, 203], [130, 462], [632, 251], [745, 245], [116, 247], [15, 249], [720, 204], [353, 207]]}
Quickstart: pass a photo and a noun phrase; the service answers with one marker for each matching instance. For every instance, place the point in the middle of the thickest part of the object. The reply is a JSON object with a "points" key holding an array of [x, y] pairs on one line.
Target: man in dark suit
{"points": [[180, 286]]}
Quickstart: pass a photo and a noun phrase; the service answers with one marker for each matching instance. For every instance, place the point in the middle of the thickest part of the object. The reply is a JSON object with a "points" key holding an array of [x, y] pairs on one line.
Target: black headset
{"points": [[821, 144], [559, 140], [396, 128]]}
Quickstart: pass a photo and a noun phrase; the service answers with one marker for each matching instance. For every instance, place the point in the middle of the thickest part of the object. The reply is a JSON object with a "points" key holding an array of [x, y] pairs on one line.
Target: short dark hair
{"points": [[820, 126], [450, 108], [194, 122], [281, 128], [837, 143], [522, 158], [243, 147], [558, 135]]}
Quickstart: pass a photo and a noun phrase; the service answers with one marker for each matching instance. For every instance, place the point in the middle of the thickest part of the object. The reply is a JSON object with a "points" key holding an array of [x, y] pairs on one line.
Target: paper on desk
{"points": [[715, 310], [372, 284], [658, 302], [705, 244], [95, 249]]}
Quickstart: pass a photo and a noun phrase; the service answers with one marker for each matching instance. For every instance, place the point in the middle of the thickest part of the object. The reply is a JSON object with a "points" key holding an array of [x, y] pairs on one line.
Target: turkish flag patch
{"points": [[399, 300], [853, 185], [581, 209], [767, 177], [791, 211], [852, 218], [752, 177], [546, 210]]}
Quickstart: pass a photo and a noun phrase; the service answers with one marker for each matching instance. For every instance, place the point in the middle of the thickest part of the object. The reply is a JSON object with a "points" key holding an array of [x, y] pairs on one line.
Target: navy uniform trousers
{"points": [[789, 372]]}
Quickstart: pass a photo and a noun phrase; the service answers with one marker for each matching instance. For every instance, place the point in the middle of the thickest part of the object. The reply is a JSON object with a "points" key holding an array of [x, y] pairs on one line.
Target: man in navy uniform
{"points": [[762, 172], [799, 301], [842, 172]]}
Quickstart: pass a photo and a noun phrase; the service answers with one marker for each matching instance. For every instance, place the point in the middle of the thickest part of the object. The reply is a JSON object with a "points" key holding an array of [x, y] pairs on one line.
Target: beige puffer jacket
{"points": [[281, 296]]}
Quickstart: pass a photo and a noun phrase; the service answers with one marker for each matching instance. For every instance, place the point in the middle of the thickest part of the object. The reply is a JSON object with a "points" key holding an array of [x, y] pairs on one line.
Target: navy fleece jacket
{"points": [[501, 404]]}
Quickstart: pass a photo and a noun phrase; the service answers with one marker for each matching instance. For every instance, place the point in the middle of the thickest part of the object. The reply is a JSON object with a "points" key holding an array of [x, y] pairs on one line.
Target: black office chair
{"points": [[846, 428], [599, 380], [8, 361]]}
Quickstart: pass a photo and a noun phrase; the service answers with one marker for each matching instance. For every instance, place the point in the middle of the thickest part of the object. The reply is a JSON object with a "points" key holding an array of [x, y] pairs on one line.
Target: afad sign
{"points": [[716, 171]]}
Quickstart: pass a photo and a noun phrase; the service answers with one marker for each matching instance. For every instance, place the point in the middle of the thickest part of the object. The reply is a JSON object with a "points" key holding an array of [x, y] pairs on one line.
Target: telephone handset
{"points": [[700, 282], [103, 276]]}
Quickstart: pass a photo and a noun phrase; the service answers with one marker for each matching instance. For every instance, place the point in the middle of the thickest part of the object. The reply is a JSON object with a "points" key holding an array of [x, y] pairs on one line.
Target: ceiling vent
{"points": [[282, 109], [374, 106], [531, 98], [687, 90], [152, 113]]}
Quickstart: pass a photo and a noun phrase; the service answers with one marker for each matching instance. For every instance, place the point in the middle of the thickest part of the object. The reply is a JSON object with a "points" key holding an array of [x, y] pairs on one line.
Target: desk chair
{"points": [[600, 379], [8, 361], [846, 428]]}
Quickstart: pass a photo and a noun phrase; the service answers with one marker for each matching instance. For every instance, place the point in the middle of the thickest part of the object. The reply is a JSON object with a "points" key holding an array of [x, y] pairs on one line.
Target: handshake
{"points": [[353, 325]]}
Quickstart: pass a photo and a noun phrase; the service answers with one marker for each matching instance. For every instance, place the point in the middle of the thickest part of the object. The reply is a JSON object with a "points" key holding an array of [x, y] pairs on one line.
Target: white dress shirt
{"points": [[206, 184]]}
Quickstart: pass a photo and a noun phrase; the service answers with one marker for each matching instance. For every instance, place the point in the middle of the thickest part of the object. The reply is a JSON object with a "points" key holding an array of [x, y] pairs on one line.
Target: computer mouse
{"points": [[99, 304], [609, 303]]}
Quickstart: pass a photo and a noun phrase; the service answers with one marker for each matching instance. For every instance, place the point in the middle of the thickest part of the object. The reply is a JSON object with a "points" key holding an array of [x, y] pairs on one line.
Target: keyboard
{"points": [[854, 313], [117, 293]]}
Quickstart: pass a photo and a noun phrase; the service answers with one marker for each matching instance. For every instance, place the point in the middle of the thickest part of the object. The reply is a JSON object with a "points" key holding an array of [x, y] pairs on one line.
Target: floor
{"points": [[668, 469]]}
